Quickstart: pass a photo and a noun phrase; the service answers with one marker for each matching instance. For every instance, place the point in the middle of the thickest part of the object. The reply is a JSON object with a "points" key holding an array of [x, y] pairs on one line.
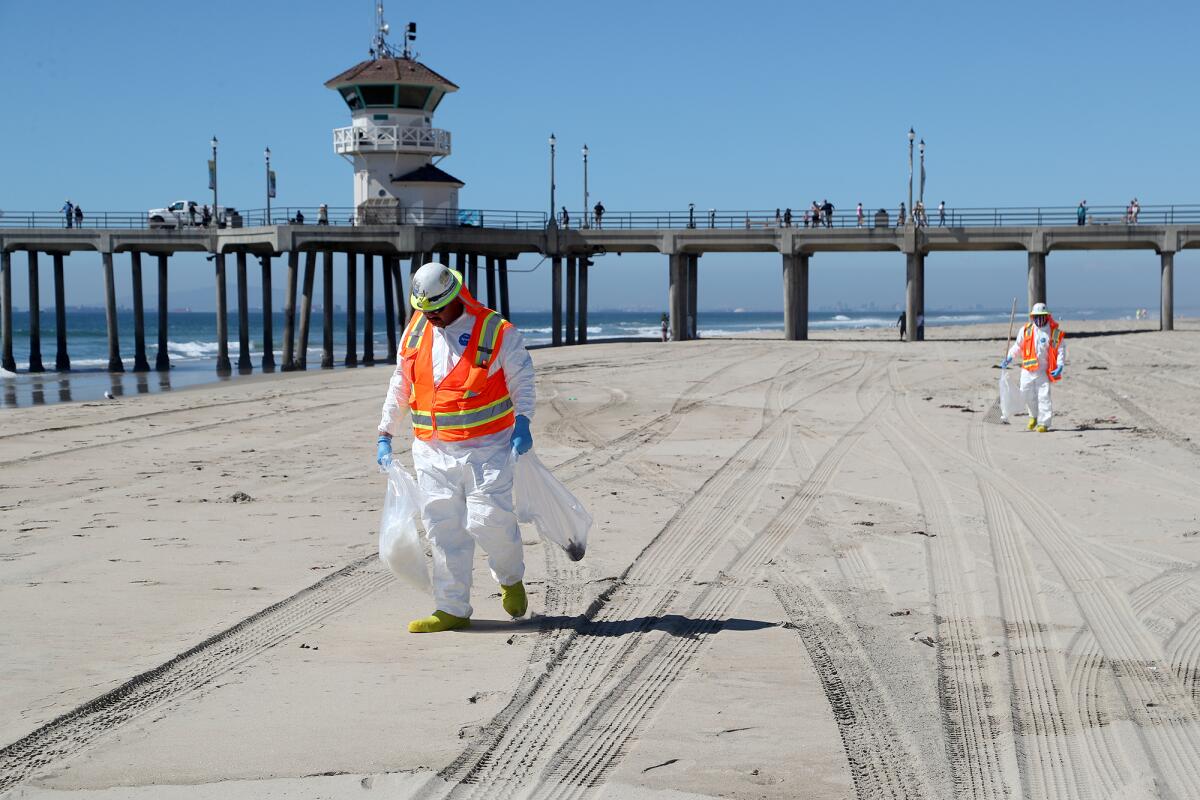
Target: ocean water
{"points": [[192, 343]]}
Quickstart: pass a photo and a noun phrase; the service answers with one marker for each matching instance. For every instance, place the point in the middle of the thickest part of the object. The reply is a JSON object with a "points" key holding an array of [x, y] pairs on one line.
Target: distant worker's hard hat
{"points": [[1039, 310], [434, 286]]}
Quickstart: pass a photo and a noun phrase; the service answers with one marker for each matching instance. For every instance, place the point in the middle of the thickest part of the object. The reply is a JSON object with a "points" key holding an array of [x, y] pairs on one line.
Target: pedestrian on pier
{"points": [[566, 218], [778, 219], [299, 217], [1042, 352], [467, 380], [941, 213], [919, 218], [598, 213], [900, 217], [78, 217], [323, 214], [816, 214], [1081, 213], [827, 213], [787, 218], [191, 211], [712, 218], [858, 213], [68, 211], [1134, 208], [205, 216]]}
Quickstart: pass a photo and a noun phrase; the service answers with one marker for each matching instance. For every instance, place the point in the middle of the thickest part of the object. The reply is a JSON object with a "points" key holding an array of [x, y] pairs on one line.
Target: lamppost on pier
{"points": [[553, 141], [921, 193], [270, 184], [212, 182], [911, 136], [585, 191]]}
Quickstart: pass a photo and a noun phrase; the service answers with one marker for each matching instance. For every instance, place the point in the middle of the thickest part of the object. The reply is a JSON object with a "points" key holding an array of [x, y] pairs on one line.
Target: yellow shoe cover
{"points": [[1041, 428], [438, 621], [514, 600], [1032, 424]]}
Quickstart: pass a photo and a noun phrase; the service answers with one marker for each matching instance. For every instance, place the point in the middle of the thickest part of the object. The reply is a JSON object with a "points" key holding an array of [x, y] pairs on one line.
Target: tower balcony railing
{"points": [[391, 139]]}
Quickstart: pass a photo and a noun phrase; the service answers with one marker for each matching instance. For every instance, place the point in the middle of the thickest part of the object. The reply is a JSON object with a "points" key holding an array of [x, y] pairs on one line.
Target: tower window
{"points": [[350, 95], [378, 95], [412, 96]]}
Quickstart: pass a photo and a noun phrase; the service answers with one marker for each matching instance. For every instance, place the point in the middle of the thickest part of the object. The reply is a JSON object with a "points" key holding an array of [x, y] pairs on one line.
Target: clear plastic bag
{"points": [[542, 500], [1011, 402], [400, 544]]}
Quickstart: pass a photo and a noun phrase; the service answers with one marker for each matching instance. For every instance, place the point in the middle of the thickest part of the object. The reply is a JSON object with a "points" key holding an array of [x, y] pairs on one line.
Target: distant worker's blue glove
{"points": [[1057, 371], [384, 453], [1004, 364], [522, 439]]}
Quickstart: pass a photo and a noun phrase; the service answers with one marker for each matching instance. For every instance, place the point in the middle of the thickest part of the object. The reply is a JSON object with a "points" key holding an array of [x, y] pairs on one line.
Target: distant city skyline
{"points": [[677, 102]]}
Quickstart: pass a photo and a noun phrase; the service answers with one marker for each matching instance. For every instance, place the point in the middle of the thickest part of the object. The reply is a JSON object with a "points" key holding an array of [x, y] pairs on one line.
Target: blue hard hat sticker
{"points": [[463, 339]]}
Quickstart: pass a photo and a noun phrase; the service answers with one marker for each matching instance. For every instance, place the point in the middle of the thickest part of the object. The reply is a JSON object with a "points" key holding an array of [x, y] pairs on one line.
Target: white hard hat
{"points": [[1038, 310], [434, 286]]}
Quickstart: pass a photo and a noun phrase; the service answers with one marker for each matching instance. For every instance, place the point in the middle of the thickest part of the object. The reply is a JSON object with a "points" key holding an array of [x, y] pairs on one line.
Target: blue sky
{"points": [[723, 105]]}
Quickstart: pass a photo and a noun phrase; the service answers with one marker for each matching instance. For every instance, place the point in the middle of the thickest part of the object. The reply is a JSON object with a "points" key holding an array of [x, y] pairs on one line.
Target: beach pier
{"points": [[62, 359]]}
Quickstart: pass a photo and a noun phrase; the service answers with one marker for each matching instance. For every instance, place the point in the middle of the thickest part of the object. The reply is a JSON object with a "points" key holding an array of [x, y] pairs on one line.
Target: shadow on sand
{"points": [[674, 624]]}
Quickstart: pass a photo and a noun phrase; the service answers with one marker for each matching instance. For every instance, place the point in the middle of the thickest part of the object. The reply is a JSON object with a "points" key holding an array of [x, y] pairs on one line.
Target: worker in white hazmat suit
{"points": [[1041, 352], [464, 375]]}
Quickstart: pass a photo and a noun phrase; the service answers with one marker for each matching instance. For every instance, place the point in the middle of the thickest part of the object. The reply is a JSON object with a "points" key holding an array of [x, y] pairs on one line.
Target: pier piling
{"points": [[110, 315], [6, 337], [62, 360], [914, 297], [583, 300], [1037, 278], [556, 301], [244, 362], [572, 271], [327, 310], [502, 268], [35, 316], [351, 310], [140, 364], [368, 358], [268, 333], [289, 313], [473, 270], [162, 361], [387, 268], [795, 296], [223, 365], [310, 270], [1166, 314], [677, 295], [490, 269], [693, 268], [401, 299]]}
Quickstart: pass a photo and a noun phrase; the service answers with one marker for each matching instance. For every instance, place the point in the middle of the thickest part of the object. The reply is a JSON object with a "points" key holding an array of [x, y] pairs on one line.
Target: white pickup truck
{"points": [[181, 214]]}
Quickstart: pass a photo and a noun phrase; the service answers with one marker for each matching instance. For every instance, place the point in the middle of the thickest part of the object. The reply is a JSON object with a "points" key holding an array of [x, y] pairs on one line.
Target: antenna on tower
{"points": [[379, 45], [410, 36]]}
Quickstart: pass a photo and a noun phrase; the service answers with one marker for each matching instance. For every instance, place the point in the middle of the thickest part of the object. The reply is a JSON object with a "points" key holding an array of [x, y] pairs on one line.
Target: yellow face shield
{"points": [[432, 298]]}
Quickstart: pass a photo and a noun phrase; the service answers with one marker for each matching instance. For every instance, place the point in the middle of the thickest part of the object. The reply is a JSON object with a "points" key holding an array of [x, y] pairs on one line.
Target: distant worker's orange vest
{"points": [[1029, 358], [468, 402]]}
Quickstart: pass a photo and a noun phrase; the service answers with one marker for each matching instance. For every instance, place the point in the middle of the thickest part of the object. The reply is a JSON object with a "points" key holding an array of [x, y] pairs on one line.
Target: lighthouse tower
{"points": [[391, 140]]}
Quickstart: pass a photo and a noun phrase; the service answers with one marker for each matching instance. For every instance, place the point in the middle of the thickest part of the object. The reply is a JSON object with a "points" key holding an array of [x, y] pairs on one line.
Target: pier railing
{"points": [[622, 220]]}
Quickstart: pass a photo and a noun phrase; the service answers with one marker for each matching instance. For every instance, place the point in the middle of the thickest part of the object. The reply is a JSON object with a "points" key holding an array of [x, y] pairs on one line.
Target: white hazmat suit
{"points": [[467, 485], [1035, 383]]}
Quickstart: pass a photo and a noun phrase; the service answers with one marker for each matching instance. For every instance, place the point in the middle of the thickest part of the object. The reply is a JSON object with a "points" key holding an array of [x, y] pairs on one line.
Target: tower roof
{"points": [[391, 70], [427, 174]]}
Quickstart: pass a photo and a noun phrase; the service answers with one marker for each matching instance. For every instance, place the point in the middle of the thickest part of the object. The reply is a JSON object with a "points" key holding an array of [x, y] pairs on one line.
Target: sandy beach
{"points": [[818, 569]]}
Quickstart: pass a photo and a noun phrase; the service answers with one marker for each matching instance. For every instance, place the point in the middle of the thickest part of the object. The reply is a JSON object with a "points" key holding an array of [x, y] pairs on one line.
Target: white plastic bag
{"points": [[1011, 402], [542, 500], [399, 537]]}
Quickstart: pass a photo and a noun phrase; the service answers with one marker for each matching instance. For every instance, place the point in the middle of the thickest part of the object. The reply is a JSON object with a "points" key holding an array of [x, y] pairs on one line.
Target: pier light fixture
{"points": [[212, 182], [267, 156], [585, 187], [921, 191], [911, 136], [553, 142]]}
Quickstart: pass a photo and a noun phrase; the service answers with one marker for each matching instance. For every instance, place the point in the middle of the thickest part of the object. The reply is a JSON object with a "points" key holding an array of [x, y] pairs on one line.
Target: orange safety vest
{"points": [[1029, 349], [468, 402]]}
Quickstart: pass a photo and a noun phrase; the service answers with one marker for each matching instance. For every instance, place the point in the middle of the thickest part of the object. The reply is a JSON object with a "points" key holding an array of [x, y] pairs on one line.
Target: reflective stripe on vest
{"points": [[486, 347], [414, 332], [461, 420]]}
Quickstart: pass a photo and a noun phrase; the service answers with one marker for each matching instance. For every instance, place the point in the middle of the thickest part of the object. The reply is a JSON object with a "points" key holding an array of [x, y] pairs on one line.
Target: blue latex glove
{"points": [[1004, 364], [1057, 371], [522, 439], [384, 453]]}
